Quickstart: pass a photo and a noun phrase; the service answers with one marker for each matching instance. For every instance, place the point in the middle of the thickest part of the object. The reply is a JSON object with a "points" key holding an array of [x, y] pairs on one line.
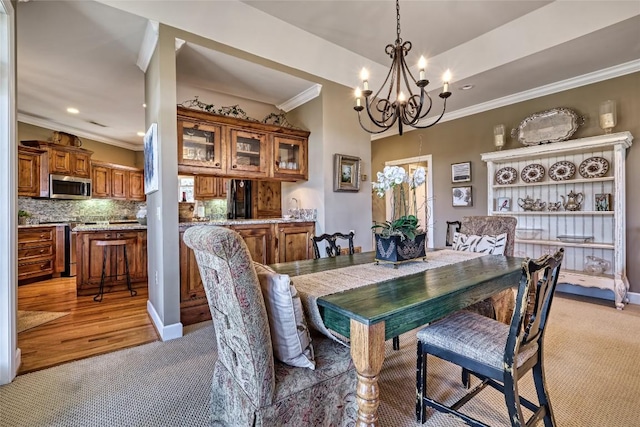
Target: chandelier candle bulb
{"points": [[446, 78], [364, 75], [358, 95], [422, 64]]}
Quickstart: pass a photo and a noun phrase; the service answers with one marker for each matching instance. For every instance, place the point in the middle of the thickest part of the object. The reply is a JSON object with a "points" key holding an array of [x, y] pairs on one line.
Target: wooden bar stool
{"points": [[105, 246]]}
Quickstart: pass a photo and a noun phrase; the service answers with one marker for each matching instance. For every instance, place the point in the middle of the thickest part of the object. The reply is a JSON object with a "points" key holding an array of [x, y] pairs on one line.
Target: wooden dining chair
{"points": [[498, 354], [332, 248]]}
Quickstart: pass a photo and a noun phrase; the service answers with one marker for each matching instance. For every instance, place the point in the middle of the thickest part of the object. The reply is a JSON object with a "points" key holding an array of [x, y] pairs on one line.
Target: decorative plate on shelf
{"points": [[506, 176], [594, 167], [532, 173], [562, 170]]}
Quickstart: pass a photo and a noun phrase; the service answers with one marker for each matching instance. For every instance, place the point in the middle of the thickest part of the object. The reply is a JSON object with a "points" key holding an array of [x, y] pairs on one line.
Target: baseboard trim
{"points": [[166, 332], [17, 361], [634, 297]]}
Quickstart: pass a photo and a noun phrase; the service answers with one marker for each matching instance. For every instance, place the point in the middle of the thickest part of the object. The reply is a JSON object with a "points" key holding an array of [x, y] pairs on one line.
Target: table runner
{"points": [[315, 285]]}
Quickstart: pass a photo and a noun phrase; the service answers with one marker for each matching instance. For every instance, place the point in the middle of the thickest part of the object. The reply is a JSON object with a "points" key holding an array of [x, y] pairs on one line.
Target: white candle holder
{"points": [[498, 136], [608, 117]]}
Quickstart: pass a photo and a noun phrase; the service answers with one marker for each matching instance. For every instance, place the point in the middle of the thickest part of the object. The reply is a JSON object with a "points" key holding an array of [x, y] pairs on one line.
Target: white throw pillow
{"points": [[289, 333], [487, 244]]}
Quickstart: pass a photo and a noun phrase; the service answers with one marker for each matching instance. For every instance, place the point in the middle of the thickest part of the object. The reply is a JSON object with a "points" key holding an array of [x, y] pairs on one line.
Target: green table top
{"points": [[410, 301]]}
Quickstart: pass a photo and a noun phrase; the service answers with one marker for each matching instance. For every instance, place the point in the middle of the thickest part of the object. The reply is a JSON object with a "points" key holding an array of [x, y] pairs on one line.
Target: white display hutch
{"points": [[544, 227]]}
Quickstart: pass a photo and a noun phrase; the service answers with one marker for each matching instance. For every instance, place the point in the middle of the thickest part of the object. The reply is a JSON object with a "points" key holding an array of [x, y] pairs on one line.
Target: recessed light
{"points": [[141, 133], [466, 87], [72, 110], [144, 105]]}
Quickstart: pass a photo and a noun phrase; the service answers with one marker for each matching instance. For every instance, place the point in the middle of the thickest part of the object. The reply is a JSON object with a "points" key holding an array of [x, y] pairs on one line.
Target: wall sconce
{"points": [[608, 118], [498, 136]]}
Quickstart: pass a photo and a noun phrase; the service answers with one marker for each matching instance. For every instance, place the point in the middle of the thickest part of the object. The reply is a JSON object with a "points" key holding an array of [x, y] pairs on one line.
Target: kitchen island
{"points": [[269, 241]]}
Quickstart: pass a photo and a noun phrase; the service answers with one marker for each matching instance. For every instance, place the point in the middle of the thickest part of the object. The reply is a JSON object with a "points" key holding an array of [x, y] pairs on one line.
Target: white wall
{"points": [[9, 353], [162, 206]]}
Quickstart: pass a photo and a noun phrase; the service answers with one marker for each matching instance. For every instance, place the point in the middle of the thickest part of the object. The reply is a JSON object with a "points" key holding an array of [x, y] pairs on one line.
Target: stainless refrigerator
{"points": [[239, 199]]}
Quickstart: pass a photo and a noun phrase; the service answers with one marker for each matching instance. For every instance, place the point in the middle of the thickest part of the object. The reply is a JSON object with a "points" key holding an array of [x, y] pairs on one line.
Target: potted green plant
{"points": [[23, 216], [401, 238]]}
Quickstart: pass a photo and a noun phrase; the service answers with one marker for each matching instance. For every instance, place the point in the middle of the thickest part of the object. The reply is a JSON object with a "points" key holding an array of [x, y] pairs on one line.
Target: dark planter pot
{"points": [[394, 249]]}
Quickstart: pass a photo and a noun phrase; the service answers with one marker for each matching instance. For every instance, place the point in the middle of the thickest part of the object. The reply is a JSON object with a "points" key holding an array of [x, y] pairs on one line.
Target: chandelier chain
{"points": [[398, 39]]}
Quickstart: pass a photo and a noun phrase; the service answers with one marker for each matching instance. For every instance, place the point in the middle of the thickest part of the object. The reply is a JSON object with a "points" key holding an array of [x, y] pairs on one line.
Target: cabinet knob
{"points": [[42, 236], [234, 166], [217, 164], [41, 250]]}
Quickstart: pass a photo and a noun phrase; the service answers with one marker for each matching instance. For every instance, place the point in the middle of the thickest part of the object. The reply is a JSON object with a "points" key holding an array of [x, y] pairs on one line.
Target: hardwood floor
{"points": [[91, 328]]}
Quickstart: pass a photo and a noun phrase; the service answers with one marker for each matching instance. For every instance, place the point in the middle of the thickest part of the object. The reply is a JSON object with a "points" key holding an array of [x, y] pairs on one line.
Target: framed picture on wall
{"points": [[503, 204], [461, 172], [462, 196], [151, 159], [346, 173], [603, 202]]}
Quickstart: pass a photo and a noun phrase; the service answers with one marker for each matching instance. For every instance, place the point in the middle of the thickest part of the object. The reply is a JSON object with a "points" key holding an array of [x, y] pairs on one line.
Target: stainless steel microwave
{"points": [[69, 187]]}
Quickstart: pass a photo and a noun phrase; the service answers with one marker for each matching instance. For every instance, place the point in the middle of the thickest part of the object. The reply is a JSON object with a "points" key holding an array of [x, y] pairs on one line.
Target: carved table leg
{"points": [[367, 352]]}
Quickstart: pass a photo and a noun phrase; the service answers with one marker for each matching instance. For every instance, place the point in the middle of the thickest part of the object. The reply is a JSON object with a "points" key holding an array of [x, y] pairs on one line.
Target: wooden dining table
{"points": [[373, 313]]}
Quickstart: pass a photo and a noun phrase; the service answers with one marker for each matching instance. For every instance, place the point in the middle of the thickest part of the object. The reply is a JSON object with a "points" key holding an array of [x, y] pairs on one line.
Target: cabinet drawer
{"points": [[33, 252], [35, 269], [26, 235]]}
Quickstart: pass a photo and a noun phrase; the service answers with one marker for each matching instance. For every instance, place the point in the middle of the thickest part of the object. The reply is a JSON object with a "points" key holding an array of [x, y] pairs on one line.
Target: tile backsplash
{"points": [[51, 210]]}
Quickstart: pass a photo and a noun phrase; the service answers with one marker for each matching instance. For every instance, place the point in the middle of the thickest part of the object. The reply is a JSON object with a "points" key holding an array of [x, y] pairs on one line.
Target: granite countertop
{"points": [[184, 225], [110, 227], [42, 225]]}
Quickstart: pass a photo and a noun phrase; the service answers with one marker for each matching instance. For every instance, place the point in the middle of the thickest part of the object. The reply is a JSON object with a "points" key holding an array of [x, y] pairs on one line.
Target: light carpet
{"points": [[31, 319], [591, 360]]}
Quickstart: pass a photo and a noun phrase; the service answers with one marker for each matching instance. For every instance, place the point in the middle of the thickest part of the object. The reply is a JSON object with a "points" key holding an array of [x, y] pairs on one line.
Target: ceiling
{"points": [[83, 54]]}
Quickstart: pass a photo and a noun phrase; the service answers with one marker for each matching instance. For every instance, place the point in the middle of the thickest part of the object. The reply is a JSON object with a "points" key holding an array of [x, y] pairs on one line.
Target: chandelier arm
{"points": [[422, 94], [444, 108], [375, 132], [382, 123]]}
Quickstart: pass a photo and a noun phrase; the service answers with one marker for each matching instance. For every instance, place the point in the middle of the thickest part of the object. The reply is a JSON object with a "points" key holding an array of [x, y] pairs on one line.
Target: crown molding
{"points": [[572, 83], [301, 98], [148, 45], [48, 124]]}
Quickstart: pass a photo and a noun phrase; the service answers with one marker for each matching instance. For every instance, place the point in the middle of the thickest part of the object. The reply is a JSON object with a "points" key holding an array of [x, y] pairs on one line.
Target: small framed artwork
{"points": [[603, 202], [346, 173], [461, 172], [151, 159], [503, 204], [462, 196]]}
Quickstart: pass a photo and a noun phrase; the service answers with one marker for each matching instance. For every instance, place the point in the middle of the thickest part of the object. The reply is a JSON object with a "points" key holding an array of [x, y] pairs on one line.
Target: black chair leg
{"points": [[126, 269], [512, 399], [98, 297], [396, 343], [543, 395], [466, 378], [421, 385]]}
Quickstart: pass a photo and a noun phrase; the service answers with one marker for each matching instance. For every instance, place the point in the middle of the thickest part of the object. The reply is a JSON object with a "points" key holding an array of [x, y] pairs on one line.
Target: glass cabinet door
{"points": [[290, 157], [199, 145], [248, 152]]}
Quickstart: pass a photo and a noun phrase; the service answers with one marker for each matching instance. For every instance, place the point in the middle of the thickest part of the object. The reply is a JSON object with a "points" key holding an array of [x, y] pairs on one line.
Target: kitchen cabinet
{"points": [[64, 159], [290, 158], [294, 241], [263, 247], [259, 240], [89, 258], [591, 232], [224, 146], [199, 145], [33, 173], [248, 154], [116, 181], [136, 185], [209, 187], [267, 199], [40, 251]]}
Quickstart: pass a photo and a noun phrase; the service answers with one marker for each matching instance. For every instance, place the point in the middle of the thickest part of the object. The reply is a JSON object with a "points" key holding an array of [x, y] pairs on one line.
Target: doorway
{"points": [[424, 193]]}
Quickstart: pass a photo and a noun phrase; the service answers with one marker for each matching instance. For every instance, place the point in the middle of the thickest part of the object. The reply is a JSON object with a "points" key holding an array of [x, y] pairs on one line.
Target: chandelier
{"points": [[409, 106]]}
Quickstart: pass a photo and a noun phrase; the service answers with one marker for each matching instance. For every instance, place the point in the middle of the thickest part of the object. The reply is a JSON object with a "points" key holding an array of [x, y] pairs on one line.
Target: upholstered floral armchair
{"points": [[251, 388], [499, 306]]}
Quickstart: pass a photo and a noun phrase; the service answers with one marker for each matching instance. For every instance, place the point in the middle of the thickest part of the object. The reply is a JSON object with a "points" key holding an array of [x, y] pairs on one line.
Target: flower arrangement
{"points": [[403, 205]]}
